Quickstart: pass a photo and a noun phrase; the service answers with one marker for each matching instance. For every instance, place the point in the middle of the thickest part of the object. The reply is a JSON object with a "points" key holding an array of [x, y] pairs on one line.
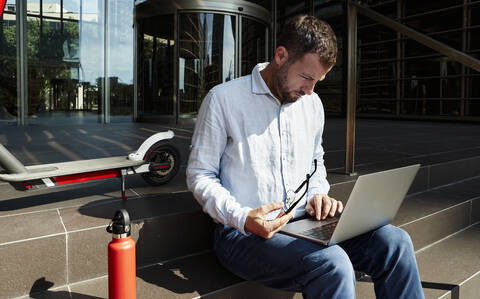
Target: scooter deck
{"points": [[68, 168]]}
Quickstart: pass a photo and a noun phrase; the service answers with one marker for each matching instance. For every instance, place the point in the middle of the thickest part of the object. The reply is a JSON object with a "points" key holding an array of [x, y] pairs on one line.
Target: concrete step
{"points": [[436, 170], [68, 245], [449, 268]]}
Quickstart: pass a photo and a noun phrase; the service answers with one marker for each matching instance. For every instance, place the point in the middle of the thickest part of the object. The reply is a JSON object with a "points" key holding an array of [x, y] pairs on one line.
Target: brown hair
{"points": [[308, 34]]}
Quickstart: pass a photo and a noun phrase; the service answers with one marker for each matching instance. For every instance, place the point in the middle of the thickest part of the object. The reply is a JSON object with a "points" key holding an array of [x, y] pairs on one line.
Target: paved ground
{"points": [[379, 142]]}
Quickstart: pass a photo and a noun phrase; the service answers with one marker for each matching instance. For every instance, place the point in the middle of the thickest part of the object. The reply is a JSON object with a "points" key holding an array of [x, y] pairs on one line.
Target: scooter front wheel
{"points": [[164, 162]]}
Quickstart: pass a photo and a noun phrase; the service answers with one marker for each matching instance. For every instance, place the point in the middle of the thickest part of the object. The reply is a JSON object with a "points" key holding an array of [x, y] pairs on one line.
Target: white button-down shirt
{"points": [[248, 150]]}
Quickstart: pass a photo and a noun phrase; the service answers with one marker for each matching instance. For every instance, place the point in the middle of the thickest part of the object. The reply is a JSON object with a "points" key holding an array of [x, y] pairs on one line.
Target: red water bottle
{"points": [[121, 258]]}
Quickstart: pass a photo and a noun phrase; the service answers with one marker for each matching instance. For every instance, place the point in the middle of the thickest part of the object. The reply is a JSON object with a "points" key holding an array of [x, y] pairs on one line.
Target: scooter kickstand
{"points": [[123, 173]]}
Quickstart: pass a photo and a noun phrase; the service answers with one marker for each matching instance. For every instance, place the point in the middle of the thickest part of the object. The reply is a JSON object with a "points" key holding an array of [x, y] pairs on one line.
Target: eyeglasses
{"points": [[292, 200]]}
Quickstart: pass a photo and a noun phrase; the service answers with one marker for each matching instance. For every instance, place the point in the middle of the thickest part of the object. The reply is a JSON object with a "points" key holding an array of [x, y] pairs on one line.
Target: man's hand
{"points": [[321, 205], [257, 223]]}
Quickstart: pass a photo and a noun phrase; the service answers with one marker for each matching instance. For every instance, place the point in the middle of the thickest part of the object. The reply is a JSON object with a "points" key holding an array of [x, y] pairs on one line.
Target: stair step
{"points": [[174, 225], [433, 215], [436, 170], [448, 269], [197, 276], [187, 277]]}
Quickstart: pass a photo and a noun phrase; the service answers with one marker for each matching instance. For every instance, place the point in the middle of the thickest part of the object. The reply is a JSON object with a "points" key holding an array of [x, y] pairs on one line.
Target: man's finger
{"points": [[333, 209], [280, 214], [327, 204], [271, 207], [340, 207], [310, 210], [279, 222], [283, 221], [318, 207]]}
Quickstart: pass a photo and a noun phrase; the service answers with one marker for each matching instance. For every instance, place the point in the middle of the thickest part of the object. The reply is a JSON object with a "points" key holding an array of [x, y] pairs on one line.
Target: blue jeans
{"points": [[287, 263]]}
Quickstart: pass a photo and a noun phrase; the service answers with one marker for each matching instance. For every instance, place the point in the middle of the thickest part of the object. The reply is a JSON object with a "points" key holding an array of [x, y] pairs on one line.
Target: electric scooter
{"points": [[156, 160]]}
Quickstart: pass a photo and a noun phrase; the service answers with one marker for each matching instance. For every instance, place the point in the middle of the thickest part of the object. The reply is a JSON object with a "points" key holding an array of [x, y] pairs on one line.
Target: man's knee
{"points": [[333, 262], [395, 241], [332, 276]]}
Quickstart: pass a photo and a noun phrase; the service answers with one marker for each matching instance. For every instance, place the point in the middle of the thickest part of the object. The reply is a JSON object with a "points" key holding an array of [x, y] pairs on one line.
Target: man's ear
{"points": [[281, 55]]}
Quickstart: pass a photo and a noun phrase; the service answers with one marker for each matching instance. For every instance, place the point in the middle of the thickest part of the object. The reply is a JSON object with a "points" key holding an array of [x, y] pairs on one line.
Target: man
{"points": [[255, 139]]}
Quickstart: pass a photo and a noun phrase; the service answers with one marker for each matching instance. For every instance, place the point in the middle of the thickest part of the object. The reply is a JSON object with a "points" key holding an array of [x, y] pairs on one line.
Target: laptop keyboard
{"points": [[323, 232]]}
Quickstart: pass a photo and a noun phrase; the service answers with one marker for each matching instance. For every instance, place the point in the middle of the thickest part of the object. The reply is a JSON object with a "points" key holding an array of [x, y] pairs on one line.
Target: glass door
{"points": [[155, 77], [206, 57], [183, 53]]}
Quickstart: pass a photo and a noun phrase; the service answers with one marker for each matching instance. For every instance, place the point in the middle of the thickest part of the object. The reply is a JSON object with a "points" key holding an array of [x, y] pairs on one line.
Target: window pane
{"points": [[253, 45], [207, 57], [120, 58], [65, 62], [8, 64], [156, 63]]}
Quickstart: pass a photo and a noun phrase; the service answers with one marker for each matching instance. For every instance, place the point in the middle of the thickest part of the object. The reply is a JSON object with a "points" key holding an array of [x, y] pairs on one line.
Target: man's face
{"points": [[293, 80]]}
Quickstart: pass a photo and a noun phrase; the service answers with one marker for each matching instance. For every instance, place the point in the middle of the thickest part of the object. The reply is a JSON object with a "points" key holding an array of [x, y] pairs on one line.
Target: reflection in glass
{"points": [[33, 7], [253, 45], [65, 60], [8, 64], [156, 63], [206, 56], [120, 56], [287, 9], [331, 89]]}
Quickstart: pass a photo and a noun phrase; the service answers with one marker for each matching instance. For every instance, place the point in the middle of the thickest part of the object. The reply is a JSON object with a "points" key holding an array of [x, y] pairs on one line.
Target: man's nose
{"points": [[308, 89]]}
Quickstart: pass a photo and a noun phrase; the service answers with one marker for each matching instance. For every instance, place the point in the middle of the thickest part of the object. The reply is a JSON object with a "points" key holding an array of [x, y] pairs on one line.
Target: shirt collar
{"points": [[258, 84]]}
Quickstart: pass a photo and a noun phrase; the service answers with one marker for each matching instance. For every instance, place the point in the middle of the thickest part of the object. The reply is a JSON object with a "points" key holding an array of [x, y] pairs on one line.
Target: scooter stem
{"points": [[142, 150], [9, 162]]}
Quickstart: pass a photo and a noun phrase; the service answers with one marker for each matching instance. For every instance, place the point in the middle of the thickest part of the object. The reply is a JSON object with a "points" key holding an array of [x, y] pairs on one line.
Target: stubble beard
{"points": [[281, 86]]}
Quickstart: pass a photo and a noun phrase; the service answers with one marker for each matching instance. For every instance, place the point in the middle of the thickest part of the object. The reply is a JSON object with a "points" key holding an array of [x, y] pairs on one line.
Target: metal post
{"points": [[274, 27], [238, 46], [464, 48], [176, 65], [351, 89], [135, 64], [106, 92], [267, 36], [468, 81], [398, 72], [22, 63]]}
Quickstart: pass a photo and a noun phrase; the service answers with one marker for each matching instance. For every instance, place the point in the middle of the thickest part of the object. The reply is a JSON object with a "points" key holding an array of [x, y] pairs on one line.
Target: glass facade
{"points": [[253, 45], [71, 46], [206, 57], [64, 61], [183, 53], [402, 78], [332, 88], [8, 64], [120, 53], [98, 61], [156, 57]]}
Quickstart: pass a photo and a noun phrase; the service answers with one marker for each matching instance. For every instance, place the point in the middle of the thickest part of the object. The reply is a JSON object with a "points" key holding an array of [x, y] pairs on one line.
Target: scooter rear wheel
{"points": [[164, 164]]}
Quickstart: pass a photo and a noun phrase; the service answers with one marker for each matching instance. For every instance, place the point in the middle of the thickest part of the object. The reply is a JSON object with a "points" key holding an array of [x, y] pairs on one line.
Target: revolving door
{"points": [[184, 48]]}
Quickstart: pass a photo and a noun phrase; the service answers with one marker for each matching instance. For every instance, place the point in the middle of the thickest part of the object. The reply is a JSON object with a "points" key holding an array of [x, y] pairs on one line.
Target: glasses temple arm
{"points": [[308, 177]]}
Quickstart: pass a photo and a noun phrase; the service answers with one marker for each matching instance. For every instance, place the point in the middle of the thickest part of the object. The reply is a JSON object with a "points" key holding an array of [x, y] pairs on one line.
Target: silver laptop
{"points": [[374, 201]]}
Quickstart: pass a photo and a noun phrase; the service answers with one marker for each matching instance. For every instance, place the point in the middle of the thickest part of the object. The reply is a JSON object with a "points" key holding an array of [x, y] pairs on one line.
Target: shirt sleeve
{"points": [[318, 182], [208, 144]]}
